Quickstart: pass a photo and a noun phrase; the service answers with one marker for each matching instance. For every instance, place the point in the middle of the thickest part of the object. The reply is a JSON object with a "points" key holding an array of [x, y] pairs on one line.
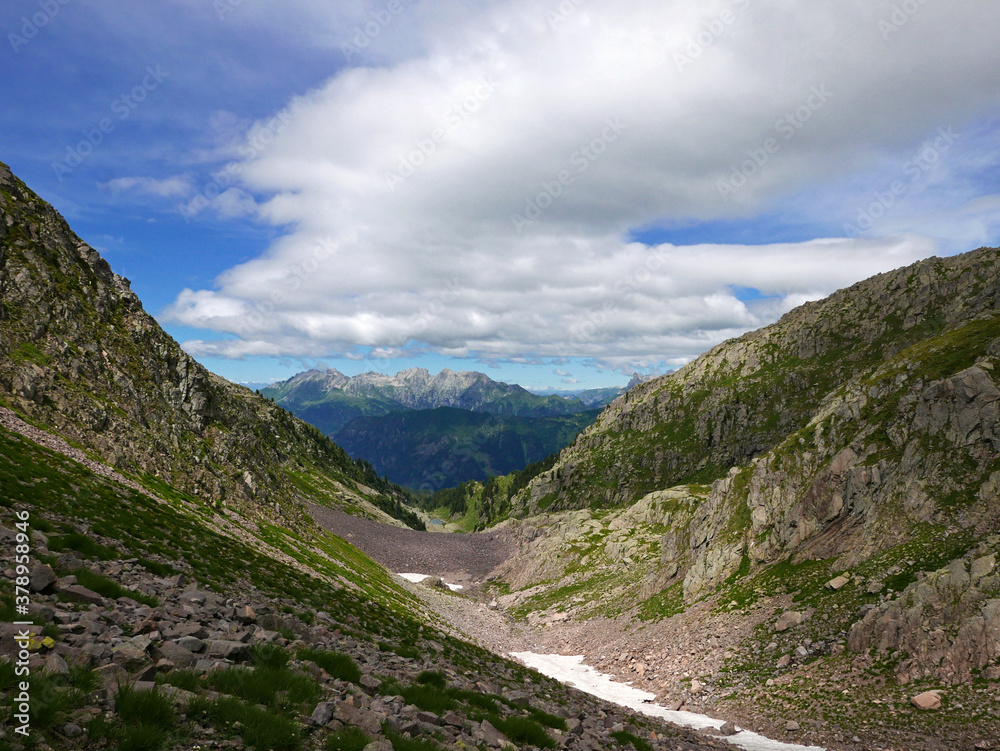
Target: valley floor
{"points": [[840, 703]]}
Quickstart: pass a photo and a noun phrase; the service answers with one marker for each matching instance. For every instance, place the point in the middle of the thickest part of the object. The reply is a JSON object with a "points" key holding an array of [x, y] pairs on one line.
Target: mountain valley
{"points": [[797, 533], [428, 432]]}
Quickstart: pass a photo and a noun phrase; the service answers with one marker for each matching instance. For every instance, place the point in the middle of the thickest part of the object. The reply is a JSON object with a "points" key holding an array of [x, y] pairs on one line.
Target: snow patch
{"points": [[417, 578], [571, 671]]}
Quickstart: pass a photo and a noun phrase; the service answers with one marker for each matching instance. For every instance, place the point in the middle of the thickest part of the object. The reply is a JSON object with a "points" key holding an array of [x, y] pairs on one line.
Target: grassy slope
{"points": [[80, 356]]}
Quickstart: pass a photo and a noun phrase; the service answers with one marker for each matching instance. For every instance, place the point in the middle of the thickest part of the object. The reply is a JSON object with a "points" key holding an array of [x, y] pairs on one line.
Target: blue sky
{"points": [[556, 193]]}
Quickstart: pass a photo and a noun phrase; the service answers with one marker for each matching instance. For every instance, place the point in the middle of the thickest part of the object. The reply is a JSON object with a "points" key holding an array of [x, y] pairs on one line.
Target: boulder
{"points": [[787, 620], [927, 701], [192, 644], [493, 737], [323, 713], [228, 650], [42, 578], [79, 593], [838, 582], [180, 657]]}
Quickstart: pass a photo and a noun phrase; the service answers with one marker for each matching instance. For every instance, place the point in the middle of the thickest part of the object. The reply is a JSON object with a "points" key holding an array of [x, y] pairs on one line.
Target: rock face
{"points": [[743, 398], [849, 422], [79, 354], [948, 623]]}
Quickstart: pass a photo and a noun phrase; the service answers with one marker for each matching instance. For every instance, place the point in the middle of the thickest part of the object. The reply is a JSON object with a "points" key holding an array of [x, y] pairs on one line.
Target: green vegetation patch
{"points": [[630, 739], [259, 728], [663, 604]]}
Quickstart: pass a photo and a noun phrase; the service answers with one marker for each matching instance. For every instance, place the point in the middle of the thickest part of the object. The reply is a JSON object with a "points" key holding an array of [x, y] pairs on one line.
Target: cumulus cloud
{"points": [[477, 196]]}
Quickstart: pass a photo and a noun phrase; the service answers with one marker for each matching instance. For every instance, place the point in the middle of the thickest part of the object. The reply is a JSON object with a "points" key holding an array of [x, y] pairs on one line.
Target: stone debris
{"points": [[201, 630]]}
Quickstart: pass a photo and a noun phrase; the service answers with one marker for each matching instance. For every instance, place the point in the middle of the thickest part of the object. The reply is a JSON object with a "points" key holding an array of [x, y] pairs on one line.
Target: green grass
{"points": [[269, 656], [428, 698], [626, 738], [189, 680], [663, 604], [159, 569], [337, 665], [401, 743], [109, 588], [348, 739], [140, 738], [403, 650], [83, 545], [259, 728], [548, 720], [432, 678], [144, 707], [53, 697], [277, 688], [523, 731]]}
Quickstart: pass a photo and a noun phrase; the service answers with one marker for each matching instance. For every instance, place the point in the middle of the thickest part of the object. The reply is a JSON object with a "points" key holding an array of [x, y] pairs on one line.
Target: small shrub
{"points": [[432, 678], [149, 708], [141, 738], [625, 738], [348, 739], [523, 731]]}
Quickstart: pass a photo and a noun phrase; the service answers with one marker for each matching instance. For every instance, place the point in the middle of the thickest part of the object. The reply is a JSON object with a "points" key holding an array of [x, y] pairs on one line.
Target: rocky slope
{"points": [[167, 629], [852, 541], [79, 355], [746, 396]]}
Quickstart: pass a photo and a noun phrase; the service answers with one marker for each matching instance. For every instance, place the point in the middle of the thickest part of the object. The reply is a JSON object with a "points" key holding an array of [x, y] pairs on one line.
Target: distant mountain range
{"points": [[431, 449], [463, 421]]}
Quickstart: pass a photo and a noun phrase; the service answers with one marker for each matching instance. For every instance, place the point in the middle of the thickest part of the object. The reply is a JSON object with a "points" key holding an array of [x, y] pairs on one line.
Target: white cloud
{"points": [[171, 187], [476, 196]]}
